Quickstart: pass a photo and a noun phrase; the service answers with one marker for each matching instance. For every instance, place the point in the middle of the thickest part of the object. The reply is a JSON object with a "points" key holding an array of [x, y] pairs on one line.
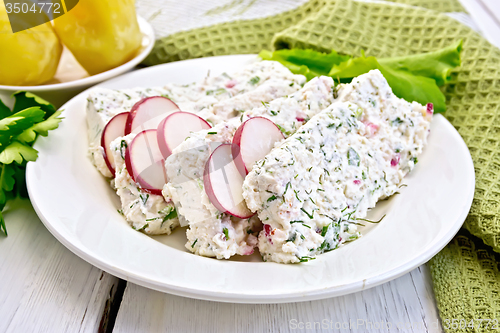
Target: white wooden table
{"points": [[46, 288]]}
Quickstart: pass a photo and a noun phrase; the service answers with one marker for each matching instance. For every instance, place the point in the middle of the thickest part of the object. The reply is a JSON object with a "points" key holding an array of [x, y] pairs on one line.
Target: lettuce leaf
{"points": [[414, 78], [404, 84], [309, 63], [436, 65]]}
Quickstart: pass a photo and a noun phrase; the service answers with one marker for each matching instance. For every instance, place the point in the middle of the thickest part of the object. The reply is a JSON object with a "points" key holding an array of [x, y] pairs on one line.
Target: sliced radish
{"points": [[144, 162], [176, 127], [113, 129], [148, 113], [224, 183], [253, 140]]}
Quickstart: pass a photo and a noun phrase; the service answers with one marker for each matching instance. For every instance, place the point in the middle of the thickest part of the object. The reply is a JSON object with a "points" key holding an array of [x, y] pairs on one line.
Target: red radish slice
{"points": [[148, 113], [144, 162], [176, 127], [113, 129], [224, 183], [253, 140]]}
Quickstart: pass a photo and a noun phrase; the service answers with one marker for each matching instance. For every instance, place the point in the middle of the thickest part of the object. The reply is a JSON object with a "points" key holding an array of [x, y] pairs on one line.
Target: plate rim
{"points": [[233, 297], [147, 31]]}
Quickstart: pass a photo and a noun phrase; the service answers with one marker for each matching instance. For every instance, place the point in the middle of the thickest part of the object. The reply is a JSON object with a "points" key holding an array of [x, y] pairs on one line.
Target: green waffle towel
{"points": [[465, 273]]}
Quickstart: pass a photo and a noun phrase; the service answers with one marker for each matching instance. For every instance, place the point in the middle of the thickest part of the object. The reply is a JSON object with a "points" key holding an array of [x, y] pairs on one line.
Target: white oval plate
{"points": [[79, 208], [71, 78]]}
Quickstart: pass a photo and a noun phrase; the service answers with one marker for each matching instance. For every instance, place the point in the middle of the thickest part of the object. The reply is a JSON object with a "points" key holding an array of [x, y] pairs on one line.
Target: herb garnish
{"points": [[31, 116], [123, 148], [254, 80], [366, 220], [271, 198], [353, 157], [144, 199], [311, 216]]}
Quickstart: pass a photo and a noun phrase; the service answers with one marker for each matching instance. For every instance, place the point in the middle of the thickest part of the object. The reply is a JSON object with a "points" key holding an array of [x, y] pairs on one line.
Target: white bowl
{"points": [[71, 78]]}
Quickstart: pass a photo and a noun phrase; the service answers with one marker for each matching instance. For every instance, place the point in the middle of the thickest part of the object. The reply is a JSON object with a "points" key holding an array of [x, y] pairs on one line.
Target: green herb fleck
{"points": [[325, 230], [254, 80], [396, 122], [305, 258], [366, 220], [141, 228], [286, 187], [226, 233], [353, 157], [144, 198], [123, 148], [271, 198], [171, 215], [308, 215]]}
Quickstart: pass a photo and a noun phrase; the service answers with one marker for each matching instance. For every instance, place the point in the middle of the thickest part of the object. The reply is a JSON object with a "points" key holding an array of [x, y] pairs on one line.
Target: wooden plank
{"points": [[43, 286], [407, 302]]}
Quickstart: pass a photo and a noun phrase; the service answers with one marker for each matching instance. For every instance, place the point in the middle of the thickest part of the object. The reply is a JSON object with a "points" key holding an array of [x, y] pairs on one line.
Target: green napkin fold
{"points": [[465, 273]]}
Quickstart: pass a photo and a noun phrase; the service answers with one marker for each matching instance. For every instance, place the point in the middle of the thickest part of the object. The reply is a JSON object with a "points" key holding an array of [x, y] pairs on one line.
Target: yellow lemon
{"points": [[28, 57], [100, 34]]}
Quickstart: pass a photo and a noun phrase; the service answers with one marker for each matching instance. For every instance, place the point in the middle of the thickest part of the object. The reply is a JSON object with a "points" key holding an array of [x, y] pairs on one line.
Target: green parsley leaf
{"points": [[7, 181], [19, 128], [15, 124], [4, 110], [2, 225], [26, 100], [42, 128], [18, 151]]}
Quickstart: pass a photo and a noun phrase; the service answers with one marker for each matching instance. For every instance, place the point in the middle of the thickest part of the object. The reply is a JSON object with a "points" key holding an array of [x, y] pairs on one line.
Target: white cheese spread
{"points": [[215, 98], [311, 189], [186, 165], [146, 212]]}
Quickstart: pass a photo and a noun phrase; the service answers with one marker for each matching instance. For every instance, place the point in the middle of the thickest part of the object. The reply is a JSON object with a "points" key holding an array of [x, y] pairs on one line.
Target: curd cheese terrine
{"points": [[144, 211], [310, 190], [215, 98], [212, 233], [261, 81]]}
